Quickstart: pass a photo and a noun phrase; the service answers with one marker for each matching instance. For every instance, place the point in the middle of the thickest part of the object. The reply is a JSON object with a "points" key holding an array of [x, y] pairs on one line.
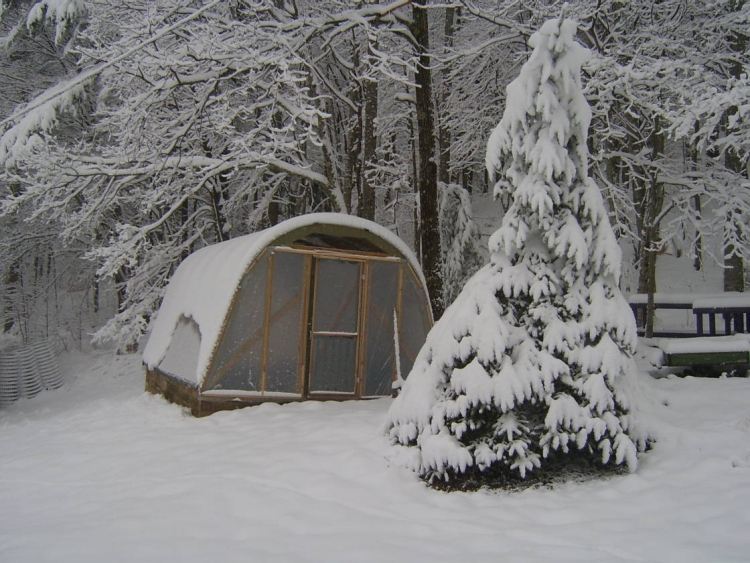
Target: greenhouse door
{"points": [[335, 321]]}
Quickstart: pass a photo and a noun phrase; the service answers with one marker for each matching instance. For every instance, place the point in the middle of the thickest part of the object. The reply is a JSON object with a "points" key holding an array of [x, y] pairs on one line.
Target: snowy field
{"points": [[99, 471]]}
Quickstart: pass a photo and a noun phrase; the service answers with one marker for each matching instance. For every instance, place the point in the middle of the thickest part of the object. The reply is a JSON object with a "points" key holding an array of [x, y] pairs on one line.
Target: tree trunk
{"points": [[694, 164], [734, 267], [427, 170], [698, 237], [354, 155], [121, 277], [368, 112], [647, 285], [367, 198], [415, 175], [649, 203], [444, 135], [11, 283]]}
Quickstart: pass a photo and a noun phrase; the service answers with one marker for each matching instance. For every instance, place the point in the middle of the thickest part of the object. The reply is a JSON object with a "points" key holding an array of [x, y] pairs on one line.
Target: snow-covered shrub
{"points": [[530, 366], [459, 240]]}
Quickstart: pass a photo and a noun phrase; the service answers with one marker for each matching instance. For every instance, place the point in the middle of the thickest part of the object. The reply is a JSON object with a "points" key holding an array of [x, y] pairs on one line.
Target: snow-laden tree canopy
{"points": [[532, 361], [132, 134]]}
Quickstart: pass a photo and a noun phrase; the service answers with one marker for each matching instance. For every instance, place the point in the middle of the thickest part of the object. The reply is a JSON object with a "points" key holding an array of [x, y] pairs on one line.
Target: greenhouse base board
{"points": [[182, 393]]}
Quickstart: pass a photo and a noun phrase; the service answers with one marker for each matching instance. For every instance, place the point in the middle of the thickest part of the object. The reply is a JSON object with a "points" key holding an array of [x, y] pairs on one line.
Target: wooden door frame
{"points": [[311, 256], [358, 335]]}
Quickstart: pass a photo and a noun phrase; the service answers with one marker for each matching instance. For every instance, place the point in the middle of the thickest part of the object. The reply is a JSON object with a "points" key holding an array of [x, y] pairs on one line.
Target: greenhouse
{"points": [[324, 306]]}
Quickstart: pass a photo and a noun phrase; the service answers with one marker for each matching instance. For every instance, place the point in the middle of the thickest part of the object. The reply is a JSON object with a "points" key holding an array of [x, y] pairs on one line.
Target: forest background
{"points": [[136, 132]]}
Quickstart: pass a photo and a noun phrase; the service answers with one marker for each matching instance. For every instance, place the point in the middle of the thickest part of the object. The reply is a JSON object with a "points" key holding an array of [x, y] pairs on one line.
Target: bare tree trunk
{"points": [[354, 156], [11, 283], [427, 170], [698, 238], [734, 267], [96, 294], [366, 143], [326, 132], [612, 171], [273, 212], [649, 202], [415, 175], [367, 198], [347, 179], [694, 164], [444, 136], [467, 180], [217, 193], [121, 277]]}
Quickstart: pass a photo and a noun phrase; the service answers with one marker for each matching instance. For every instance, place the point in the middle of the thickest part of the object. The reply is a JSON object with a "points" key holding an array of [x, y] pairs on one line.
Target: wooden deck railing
{"points": [[732, 308]]}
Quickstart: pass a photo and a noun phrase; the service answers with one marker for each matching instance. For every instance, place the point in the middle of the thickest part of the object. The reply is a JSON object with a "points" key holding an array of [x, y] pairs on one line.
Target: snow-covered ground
{"points": [[100, 471]]}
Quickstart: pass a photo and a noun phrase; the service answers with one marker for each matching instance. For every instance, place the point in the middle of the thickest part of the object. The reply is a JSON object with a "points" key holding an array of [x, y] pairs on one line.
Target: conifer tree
{"points": [[530, 366]]}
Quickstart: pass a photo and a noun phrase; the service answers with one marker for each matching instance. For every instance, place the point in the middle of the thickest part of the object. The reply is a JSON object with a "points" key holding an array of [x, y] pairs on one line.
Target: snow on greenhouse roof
{"points": [[202, 287]]}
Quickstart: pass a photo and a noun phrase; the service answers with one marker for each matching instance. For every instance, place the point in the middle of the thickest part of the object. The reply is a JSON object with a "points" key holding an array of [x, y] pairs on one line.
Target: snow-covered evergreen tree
{"points": [[531, 364], [459, 240]]}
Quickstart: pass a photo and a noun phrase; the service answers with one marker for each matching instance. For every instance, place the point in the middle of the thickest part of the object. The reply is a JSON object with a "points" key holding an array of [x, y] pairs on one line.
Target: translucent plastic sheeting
{"points": [[181, 358], [237, 364], [414, 324], [334, 364], [336, 295], [285, 323], [334, 356], [380, 361]]}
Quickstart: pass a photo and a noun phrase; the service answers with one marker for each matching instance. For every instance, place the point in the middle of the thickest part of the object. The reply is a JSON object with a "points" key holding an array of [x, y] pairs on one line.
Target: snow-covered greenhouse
{"points": [[323, 306]]}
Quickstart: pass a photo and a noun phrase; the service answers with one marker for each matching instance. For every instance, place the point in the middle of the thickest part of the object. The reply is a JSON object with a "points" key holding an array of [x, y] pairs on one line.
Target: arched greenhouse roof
{"points": [[203, 286]]}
